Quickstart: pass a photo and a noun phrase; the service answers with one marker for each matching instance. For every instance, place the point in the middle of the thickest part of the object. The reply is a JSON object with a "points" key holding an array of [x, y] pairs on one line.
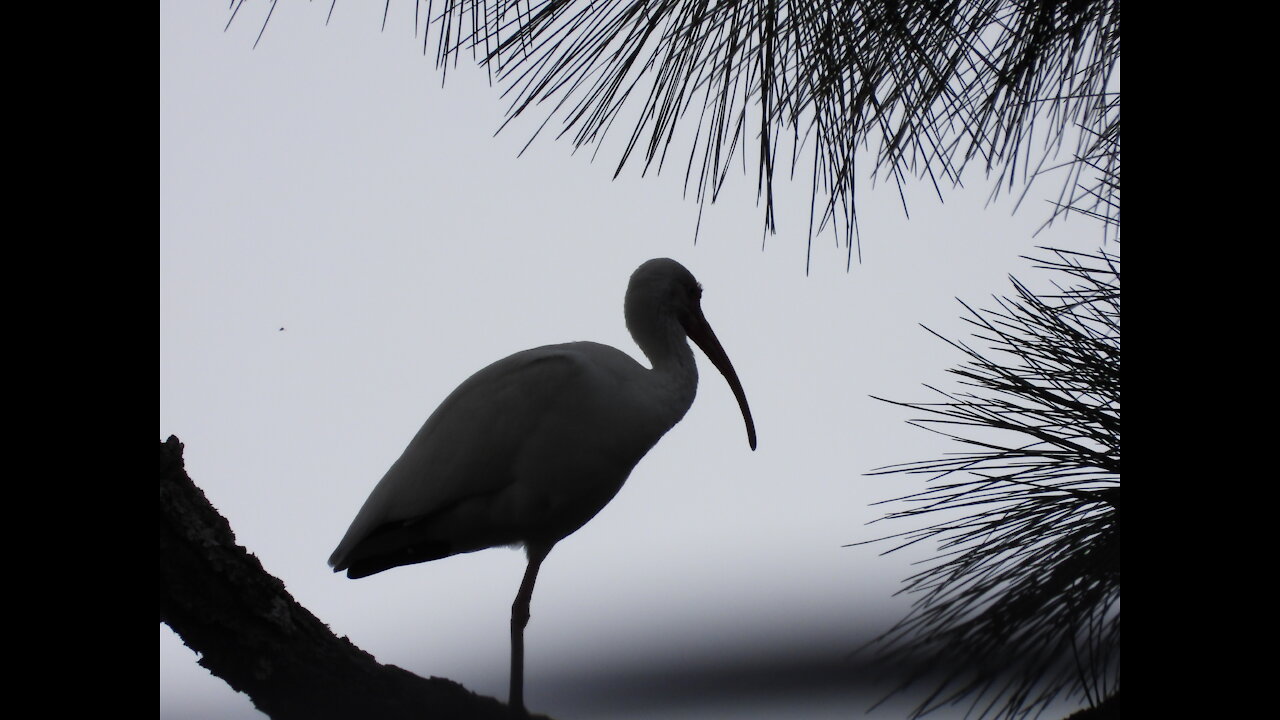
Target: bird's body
{"points": [[526, 450], [530, 448]]}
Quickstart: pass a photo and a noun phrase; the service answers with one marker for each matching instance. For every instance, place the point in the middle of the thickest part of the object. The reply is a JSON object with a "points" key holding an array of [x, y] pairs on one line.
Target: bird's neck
{"points": [[675, 372]]}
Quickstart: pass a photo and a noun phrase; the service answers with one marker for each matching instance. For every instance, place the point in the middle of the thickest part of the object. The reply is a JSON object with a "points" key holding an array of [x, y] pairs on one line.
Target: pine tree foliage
{"points": [[916, 88], [1021, 603]]}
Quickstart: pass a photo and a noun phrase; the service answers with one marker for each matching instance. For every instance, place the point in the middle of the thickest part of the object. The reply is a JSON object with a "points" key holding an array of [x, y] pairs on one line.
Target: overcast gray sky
{"points": [[342, 242]]}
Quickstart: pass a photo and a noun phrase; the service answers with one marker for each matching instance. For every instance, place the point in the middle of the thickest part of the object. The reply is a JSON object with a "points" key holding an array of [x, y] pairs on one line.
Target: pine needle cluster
{"points": [[919, 88], [1021, 603]]}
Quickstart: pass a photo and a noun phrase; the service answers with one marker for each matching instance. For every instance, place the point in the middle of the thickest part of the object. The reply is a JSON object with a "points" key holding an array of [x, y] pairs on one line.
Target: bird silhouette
{"points": [[528, 449]]}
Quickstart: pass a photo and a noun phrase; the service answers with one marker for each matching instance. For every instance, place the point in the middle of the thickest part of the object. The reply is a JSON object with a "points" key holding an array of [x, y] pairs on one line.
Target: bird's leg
{"points": [[519, 619]]}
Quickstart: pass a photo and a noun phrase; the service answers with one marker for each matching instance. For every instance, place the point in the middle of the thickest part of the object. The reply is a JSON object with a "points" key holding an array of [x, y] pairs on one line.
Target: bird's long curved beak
{"points": [[700, 332]]}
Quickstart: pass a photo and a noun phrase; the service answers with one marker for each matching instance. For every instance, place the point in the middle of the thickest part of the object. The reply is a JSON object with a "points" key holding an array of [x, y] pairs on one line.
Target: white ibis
{"points": [[530, 448]]}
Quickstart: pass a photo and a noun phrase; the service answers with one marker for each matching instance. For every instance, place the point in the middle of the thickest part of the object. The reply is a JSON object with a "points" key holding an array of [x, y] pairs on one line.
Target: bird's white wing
{"points": [[476, 441]]}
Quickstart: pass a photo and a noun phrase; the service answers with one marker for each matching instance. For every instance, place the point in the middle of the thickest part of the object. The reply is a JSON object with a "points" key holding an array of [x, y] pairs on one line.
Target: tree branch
{"points": [[252, 634]]}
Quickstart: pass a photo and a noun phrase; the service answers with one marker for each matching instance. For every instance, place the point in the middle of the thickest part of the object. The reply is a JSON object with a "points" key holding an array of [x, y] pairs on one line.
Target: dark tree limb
{"points": [[1108, 709], [252, 634]]}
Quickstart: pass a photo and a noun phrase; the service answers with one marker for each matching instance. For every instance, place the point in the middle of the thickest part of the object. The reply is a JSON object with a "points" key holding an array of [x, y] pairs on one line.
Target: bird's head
{"points": [[662, 291]]}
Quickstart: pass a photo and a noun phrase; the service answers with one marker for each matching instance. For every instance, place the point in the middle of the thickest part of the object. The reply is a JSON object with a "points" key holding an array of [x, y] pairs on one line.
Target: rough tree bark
{"points": [[251, 633]]}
